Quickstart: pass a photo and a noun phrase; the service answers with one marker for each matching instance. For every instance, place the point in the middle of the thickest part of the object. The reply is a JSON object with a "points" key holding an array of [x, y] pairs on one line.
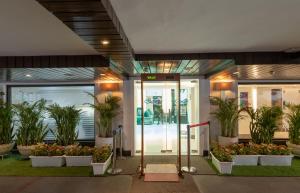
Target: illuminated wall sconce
{"points": [[109, 86], [222, 86]]}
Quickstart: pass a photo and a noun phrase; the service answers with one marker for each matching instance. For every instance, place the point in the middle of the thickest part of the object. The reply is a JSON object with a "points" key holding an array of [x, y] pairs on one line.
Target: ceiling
{"points": [[194, 26], [28, 29]]}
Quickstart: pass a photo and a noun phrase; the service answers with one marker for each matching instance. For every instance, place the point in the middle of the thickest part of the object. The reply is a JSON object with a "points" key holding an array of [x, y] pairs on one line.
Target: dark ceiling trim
{"points": [[241, 58], [53, 61]]}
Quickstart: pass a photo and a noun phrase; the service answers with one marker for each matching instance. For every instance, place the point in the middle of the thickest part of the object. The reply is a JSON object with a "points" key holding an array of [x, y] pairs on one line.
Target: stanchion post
{"points": [[114, 170], [121, 142]]}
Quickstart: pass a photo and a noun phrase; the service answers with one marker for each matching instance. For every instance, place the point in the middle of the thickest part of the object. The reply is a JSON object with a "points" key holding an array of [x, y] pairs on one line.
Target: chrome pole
{"points": [[114, 170], [188, 168], [121, 142]]}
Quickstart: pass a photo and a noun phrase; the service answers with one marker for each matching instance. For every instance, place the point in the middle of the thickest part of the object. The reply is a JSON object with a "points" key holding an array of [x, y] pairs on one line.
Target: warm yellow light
{"points": [[104, 42]]}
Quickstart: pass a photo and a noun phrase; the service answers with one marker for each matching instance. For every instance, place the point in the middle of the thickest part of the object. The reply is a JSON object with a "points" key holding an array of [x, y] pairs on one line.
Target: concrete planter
{"points": [[100, 168], [103, 141], [245, 160], [6, 148], [294, 148], [222, 167], [47, 161], [275, 160], [225, 141], [25, 151], [78, 160]]}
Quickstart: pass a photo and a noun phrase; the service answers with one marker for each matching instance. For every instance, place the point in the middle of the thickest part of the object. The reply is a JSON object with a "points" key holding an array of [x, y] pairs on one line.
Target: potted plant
{"points": [[275, 155], [66, 120], [31, 129], [107, 110], [101, 159], [263, 123], [44, 155], [228, 115], [222, 159], [293, 119], [244, 155], [6, 127], [78, 156]]}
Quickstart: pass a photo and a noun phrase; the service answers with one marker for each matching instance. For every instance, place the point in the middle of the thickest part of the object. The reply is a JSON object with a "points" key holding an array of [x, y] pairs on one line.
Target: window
{"points": [[64, 96], [268, 95]]}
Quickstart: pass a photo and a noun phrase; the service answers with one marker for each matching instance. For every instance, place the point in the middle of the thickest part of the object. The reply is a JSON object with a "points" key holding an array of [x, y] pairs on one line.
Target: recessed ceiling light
{"points": [[102, 74], [28, 75], [236, 73], [104, 42]]}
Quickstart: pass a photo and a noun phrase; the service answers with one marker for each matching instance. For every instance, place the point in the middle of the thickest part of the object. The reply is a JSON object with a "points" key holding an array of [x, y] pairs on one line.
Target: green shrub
{"points": [[100, 155], [271, 149], [6, 122], [223, 154], [31, 129], [293, 119], [227, 114], [107, 111], [75, 150], [263, 123], [42, 149], [66, 120], [242, 149]]}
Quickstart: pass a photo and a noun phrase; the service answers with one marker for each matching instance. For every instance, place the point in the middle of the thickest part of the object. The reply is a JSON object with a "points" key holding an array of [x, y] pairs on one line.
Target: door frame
{"points": [[161, 77]]}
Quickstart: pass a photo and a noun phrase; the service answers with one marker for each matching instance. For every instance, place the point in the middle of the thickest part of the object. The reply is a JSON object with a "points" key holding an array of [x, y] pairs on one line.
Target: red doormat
{"points": [[161, 173]]}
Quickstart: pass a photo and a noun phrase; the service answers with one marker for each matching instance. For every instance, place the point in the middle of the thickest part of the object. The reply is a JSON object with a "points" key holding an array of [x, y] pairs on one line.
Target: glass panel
{"points": [[268, 95], [64, 96], [160, 112]]}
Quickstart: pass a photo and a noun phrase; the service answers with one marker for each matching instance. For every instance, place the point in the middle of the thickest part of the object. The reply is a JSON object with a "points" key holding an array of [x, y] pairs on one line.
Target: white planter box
{"points": [[222, 167], [275, 160], [78, 160], [245, 160], [295, 148], [100, 168], [47, 161]]}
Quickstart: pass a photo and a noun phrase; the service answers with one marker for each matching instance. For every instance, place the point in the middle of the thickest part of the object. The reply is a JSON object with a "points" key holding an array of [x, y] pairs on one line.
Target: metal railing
{"points": [[189, 168]]}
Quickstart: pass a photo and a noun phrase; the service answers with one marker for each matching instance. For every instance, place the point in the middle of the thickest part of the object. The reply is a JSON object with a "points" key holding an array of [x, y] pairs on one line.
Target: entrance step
{"points": [[161, 173]]}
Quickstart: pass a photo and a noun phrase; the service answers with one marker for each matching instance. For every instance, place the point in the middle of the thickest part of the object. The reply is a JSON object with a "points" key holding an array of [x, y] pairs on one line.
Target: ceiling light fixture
{"points": [[104, 42], [102, 74], [28, 75], [235, 73]]}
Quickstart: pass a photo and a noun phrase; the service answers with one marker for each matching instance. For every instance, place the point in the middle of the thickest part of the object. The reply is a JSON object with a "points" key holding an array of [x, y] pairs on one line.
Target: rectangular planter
{"points": [[78, 160], [47, 161], [100, 168], [275, 160], [222, 167], [245, 160]]}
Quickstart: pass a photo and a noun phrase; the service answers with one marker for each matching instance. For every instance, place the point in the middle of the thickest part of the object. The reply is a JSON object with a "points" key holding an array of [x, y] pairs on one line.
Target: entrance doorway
{"points": [[160, 116]]}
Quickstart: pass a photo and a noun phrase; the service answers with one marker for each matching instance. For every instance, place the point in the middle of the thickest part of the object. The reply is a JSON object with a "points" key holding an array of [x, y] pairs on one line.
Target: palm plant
{"points": [[66, 119], [227, 114], [293, 119], [31, 128], [263, 123], [107, 111], [6, 122]]}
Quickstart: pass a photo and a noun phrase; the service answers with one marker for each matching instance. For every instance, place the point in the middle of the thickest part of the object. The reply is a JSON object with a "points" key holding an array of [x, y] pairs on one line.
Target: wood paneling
{"points": [[95, 21], [53, 61]]}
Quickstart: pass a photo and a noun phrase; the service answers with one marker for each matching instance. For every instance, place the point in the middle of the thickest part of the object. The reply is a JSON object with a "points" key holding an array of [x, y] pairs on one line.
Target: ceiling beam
{"points": [[240, 58], [53, 61]]}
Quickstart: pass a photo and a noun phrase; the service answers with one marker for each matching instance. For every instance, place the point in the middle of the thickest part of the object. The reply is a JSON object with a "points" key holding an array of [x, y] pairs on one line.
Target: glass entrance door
{"points": [[161, 114]]}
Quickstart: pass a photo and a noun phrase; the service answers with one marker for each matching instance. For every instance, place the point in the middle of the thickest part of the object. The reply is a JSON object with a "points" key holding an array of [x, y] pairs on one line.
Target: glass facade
{"points": [[160, 116], [268, 95], [64, 96]]}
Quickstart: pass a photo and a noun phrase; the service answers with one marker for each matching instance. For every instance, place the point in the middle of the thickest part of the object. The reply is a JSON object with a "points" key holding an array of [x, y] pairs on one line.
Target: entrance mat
{"points": [[161, 173]]}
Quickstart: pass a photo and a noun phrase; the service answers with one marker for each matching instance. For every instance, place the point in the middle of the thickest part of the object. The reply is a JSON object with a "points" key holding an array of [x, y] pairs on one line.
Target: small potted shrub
{"points": [[107, 111], [101, 159], [227, 114], [293, 119], [244, 155], [30, 127], [44, 155], [66, 120], [6, 127], [78, 156], [221, 159], [274, 155]]}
